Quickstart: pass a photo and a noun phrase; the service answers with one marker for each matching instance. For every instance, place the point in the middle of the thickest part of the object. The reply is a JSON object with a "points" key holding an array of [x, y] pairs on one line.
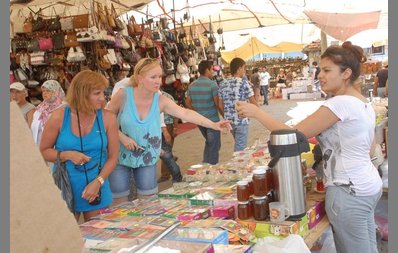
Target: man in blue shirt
{"points": [[232, 90], [202, 96]]}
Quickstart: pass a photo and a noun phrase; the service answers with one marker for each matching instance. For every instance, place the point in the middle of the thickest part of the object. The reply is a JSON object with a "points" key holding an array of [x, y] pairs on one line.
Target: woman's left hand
{"points": [[223, 125], [90, 192]]}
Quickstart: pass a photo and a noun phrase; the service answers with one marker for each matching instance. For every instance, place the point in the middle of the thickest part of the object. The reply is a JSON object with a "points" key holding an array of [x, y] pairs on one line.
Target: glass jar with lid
{"points": [[260, 186], [244, 210], [260, 208], [243, 191], [250, 180]]}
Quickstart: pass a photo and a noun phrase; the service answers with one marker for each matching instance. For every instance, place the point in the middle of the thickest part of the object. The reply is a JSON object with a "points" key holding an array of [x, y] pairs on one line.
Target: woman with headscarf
{"points": [[53, 97]]}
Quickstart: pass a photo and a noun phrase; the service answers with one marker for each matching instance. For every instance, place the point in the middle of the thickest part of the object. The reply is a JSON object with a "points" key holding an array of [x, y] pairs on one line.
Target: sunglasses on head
{"points": [[146, 62]]}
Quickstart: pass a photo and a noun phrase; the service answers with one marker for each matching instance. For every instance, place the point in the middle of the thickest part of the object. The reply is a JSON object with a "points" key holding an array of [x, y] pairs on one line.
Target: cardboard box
{"points": [[219, 248], [200, 235], [226, 212], [316, 213]]}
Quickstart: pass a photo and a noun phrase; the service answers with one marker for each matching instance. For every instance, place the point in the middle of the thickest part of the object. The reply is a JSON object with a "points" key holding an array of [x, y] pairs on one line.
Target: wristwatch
{"points": [[100, 179]]}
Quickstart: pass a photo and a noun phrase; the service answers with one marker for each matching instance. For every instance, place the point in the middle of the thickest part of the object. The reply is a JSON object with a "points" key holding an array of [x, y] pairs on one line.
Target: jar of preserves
{"points": [[244, 210], [243, 191], [250, 180], [260, 208], [260, 187]]}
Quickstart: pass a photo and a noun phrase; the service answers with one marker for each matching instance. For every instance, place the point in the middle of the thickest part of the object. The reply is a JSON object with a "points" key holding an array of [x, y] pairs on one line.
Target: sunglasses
{"points": [[146, 62]]}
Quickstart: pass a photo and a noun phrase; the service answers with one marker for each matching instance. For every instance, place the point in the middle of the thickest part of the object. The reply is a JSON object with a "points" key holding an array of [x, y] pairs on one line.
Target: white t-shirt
{"points": [[264, 78], [120, 85], [348, 144]]}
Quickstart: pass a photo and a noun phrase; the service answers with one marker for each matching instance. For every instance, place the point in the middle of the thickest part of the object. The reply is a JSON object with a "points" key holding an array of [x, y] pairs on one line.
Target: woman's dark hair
{"points": [[203, 66], [255, 70], [236, 63], [346, 56]]}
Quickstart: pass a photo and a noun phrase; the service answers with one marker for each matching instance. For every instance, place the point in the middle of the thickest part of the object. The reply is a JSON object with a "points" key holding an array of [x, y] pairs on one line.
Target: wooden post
{"points": [[324, 42]]}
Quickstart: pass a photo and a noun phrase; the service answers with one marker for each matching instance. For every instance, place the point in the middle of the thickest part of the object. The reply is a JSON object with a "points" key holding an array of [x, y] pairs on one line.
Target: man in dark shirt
{"points": [[379, 86], [255, 80]]}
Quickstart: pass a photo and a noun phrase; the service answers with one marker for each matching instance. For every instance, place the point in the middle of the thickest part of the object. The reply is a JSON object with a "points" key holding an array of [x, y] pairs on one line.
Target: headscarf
{"points": [[47, 107]]}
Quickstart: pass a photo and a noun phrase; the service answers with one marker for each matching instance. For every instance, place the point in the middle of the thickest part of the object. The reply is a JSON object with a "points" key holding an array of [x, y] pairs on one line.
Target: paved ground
{"points": [[189, 145]]}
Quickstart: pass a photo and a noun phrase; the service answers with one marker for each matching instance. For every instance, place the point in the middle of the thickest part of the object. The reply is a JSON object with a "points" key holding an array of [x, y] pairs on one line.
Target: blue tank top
{"points": [[146, 133], [67, 140]]}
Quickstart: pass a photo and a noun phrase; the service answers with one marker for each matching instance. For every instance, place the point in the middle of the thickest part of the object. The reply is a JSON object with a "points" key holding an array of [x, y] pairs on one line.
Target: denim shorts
{"points": [[144, 177]]}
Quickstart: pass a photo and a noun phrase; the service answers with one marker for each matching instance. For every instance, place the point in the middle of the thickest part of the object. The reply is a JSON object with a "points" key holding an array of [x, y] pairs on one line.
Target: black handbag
{"points": [[39, 24], [54, 24], [58, 41], [33, 45], [61, 179], [97, 200]]}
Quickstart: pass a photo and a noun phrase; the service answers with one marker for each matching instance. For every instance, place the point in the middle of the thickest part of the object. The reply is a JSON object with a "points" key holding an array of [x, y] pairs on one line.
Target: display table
{"points": [[316, 232]]}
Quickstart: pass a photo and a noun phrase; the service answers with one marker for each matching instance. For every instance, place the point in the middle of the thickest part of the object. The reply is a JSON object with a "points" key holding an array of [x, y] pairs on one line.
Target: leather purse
{"points": [[71, 39], [66, 23], [109, 17], [80, 21], [39, 24], [33, 45], [45, 44], [28, 24], [119, 25], [58, 40]]}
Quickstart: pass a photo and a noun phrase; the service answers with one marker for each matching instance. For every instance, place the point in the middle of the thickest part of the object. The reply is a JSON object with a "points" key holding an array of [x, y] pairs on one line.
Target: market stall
{"points": [[209, 211]]}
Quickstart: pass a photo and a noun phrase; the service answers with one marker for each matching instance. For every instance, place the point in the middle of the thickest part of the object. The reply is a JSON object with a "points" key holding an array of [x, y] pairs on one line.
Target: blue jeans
{"points": [[169, 161], [264, 90], [240, 133], [212, 145], [352, 220], [123, 178]]}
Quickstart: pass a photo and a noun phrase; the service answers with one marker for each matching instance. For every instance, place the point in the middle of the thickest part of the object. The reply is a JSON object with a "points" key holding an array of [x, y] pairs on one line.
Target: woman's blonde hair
{"points": [[80, 88], [143, 65]]}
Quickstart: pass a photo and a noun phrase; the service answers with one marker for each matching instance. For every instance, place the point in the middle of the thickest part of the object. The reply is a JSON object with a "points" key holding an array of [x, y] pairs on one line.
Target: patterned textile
{"points": [[232, 90]]}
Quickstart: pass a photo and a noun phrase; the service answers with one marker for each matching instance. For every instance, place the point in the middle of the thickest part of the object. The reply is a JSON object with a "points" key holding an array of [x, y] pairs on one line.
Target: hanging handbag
{"points": [[111, 55], [71, 39], [109, 17], [170, 79], [45, 44], [18, 23], [33, 45], [28, 24], [119, 25], [37, 58], [103, 19], [163, 23], [54, 24], [39, 24], [61, 180], [80, 21]]}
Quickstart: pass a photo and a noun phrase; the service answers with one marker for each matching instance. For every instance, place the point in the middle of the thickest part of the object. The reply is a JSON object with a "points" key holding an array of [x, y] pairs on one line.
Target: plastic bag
{"points": [[61, 179], [291, 244]]}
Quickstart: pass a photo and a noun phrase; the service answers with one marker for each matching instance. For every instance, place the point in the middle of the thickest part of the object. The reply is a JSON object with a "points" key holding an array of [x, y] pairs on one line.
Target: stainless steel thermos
{"points": [[285, 147]]}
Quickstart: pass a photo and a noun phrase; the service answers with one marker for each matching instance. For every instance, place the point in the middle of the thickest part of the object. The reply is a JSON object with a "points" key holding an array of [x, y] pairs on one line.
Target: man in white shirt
{"points": [[264, 83]]}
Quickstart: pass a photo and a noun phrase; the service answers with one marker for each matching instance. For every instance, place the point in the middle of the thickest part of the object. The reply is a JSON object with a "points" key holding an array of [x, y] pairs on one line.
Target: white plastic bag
{"points": [[291, 244]]}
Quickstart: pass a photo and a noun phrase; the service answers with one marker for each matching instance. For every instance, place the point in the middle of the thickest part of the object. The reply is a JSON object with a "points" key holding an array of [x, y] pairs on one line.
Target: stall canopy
{"points": [[22, 8], [254, 46], [343, 25]]}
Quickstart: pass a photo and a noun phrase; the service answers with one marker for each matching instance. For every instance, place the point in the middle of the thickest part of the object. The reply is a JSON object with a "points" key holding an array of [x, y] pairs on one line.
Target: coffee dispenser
{"points": [[285, 147]]}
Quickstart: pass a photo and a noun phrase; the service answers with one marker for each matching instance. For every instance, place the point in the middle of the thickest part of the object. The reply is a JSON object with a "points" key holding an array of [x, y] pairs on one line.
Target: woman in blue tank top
{"points": [[86, 138], [138, 107]]}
